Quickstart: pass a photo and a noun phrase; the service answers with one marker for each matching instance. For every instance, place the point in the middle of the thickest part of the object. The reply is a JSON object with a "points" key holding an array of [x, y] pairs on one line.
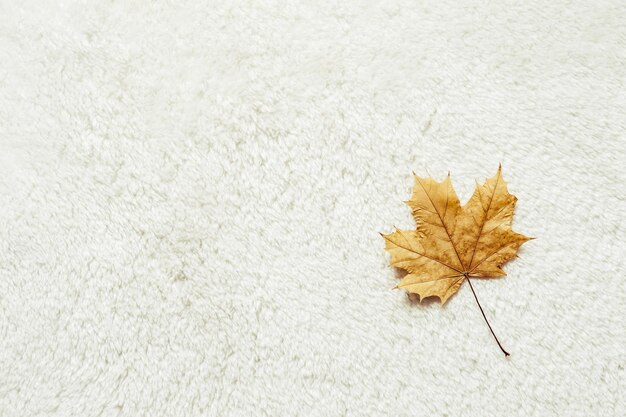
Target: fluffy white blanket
{"points": [[191, 195]]}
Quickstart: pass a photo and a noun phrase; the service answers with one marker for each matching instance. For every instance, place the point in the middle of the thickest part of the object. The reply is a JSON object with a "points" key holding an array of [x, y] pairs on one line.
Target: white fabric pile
{"points": [[191, 197]]}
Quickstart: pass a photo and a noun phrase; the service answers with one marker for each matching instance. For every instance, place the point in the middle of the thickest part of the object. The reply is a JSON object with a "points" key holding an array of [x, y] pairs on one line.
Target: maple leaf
{"points": [[451, 243]]}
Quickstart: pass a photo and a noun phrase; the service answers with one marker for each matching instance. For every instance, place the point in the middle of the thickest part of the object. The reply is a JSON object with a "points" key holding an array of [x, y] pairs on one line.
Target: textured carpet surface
{"points": [[191, 198]]}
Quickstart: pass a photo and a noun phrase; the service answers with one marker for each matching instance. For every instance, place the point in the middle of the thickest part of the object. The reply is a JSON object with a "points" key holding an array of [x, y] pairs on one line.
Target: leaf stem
{"points": [[485, 317]]}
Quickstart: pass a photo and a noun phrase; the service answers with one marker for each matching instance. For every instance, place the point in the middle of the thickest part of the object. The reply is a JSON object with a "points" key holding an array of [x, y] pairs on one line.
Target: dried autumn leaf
{"points": [[451, 243]]}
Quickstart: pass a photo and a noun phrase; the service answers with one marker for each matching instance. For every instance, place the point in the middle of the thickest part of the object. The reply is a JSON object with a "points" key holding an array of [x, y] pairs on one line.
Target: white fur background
{"points": [[191, 195]]}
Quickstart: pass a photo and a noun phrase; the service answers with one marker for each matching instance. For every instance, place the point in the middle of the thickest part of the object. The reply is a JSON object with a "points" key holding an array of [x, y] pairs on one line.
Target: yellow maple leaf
{"points": [[453, 243]]}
